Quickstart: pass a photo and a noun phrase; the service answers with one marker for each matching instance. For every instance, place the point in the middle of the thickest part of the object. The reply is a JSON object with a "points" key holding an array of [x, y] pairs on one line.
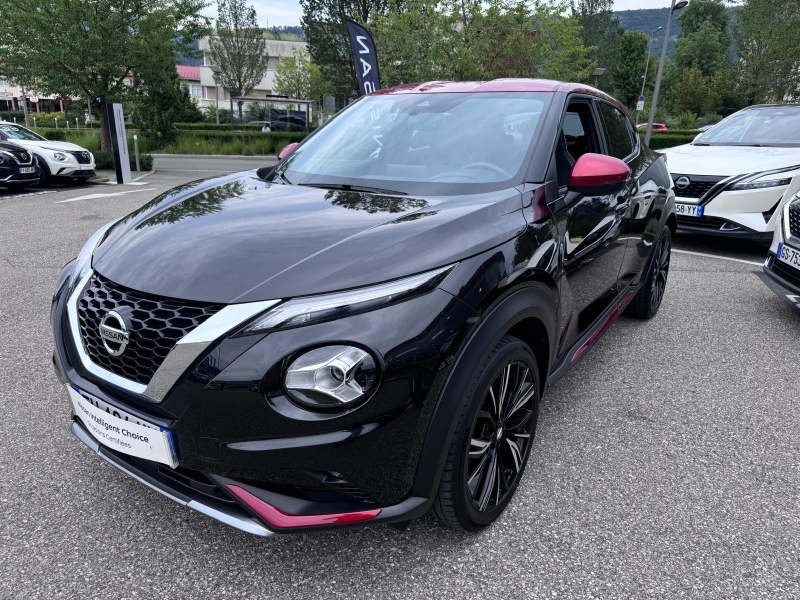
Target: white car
{"points": [[58, 161], [783, 261], [731, 179]]}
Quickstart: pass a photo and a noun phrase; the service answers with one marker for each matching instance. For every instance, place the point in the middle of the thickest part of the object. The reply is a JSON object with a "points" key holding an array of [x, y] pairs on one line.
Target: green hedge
{"points": [[104, 161], [215, 127], [668, 139], [228, 142]]}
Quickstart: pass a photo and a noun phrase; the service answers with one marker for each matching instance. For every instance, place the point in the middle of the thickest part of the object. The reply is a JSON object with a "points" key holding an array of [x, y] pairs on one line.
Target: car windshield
{"points": [[438, 144], [768, 126], [15, 132]]}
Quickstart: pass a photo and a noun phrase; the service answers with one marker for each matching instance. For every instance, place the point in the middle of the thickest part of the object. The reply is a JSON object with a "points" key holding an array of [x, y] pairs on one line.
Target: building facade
{"points": [[200, 79]]}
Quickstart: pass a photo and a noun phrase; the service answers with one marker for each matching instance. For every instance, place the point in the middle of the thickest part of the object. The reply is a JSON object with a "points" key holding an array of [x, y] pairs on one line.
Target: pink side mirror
{"points": [[598, 174], [287, 150]]}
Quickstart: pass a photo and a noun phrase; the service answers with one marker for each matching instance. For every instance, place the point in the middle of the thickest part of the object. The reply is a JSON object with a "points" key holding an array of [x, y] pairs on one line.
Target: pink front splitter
{"points": [[283, 520]]}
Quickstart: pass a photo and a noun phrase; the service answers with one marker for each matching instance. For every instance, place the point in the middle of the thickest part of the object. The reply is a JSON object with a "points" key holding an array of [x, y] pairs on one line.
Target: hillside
{"points": [[648, 20]]}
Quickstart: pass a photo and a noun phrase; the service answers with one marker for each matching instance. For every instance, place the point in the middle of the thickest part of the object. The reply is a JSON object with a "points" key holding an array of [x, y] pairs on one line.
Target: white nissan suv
{"points": [[58, 161], [731, 179]]}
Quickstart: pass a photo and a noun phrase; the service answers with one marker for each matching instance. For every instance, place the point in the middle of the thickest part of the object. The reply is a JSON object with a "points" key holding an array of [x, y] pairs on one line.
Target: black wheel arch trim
{"points": [[525, 303]]}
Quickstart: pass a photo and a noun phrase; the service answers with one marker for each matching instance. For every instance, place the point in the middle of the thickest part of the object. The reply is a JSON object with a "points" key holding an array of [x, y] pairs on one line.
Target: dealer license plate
{"points": [[789, 255], [689, 210], [25, 170], [122, 431]]}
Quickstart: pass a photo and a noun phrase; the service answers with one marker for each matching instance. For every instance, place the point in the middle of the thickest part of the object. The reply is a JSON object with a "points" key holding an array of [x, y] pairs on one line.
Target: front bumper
{"points": [[229, 431], [743, 214], [13, 176], [782, 274]]}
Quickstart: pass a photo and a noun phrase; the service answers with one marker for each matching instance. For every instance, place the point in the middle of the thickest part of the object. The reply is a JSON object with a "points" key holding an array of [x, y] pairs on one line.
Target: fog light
{"points": [[331, 376]]}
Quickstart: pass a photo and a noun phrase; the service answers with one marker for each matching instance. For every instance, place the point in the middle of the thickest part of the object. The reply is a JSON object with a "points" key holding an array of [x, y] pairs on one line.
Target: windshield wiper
{"points": [[354, 188], [701, 144]]}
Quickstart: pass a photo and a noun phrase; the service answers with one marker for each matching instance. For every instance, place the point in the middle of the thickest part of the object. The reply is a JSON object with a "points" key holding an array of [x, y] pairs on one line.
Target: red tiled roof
{"points": [[186, 72]]}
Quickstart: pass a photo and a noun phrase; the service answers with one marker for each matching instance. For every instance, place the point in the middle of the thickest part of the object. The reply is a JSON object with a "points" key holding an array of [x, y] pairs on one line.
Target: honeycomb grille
{"points": [[794, 219], [155, 324], [83, 158], [695, 189]]}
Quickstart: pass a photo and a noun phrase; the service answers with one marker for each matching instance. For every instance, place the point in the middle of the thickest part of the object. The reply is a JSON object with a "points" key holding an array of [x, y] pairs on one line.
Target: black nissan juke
{"points": [[363, 333]]}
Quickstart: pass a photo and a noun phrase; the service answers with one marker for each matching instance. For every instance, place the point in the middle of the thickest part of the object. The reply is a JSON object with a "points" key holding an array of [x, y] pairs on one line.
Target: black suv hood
{"points": [[240, 239]]}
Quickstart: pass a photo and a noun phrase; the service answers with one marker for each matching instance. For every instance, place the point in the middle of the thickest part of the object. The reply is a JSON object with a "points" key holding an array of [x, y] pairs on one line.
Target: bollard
{"points": [[56, 120], [76, 123], [34, 122], [136, 151]]}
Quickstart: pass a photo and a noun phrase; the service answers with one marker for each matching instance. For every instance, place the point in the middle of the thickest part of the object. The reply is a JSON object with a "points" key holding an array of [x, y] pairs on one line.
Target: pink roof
{"points": [[500, 85], [187, 72]]}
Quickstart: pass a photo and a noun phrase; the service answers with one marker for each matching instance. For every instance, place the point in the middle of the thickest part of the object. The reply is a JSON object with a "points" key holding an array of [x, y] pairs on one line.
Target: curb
{"points": [[255, 156]]}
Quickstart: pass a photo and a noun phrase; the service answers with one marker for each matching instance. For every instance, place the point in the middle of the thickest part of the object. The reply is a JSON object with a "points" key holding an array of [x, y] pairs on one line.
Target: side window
{"points": [[618, 137], [578, 137]]}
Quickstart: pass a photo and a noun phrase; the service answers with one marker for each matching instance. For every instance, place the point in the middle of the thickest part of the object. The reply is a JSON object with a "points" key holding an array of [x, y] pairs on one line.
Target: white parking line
{"points": [[739, 260], [107, 195]]}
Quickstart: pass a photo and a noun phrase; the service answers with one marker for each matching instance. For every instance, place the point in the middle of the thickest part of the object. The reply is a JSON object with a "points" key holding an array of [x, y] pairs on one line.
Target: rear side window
{"points": [[615, 124]]}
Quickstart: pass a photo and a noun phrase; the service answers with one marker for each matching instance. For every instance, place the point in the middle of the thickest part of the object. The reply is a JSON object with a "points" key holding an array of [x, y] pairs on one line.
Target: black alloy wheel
{"points": [[501, 436], [493, 438], [649, 297], [660, 272]]}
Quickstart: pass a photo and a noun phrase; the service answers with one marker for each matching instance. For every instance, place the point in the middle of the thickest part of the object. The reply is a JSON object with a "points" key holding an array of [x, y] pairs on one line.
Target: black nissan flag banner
{"points": [[365, 57]]}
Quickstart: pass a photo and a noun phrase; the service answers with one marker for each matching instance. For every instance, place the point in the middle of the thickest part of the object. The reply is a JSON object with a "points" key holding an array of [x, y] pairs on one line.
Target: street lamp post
{"points": [[672, 10], [215, 70], [646, 64]]}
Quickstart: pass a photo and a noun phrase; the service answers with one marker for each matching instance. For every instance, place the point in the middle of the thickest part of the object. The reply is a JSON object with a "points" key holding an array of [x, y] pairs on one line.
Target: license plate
{"points": [[789, 255], [689, 210], [25, 170], [122, 431]]}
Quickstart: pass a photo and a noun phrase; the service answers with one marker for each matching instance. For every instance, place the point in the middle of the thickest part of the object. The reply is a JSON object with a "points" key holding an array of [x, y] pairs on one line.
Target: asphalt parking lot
{"points": [[665, 464]]}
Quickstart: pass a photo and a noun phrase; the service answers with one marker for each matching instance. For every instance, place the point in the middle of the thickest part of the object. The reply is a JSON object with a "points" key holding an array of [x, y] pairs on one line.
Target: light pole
{"points": [[646, 64], [672, 9], [215, 70]]}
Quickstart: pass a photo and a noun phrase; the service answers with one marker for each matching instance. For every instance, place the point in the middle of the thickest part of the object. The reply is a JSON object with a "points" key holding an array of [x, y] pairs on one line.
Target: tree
{"points": [[769, 47], [165, 101], [705, 48], [297, 77], [600, 29], [419, 40], [238, 48], [324, 25], [701, 12], [102, 49], [629, 68], [691, 91]]}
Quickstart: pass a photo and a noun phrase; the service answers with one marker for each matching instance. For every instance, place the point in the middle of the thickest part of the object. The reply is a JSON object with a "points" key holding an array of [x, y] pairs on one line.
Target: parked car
{"points": [[57, 161], [783, 261], [17, 167], [730, 180], [656, 126], [363, 333]]}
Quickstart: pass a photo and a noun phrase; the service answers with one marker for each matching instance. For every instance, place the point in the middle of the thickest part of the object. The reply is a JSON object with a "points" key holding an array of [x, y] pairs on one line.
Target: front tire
{"points": [[493, 439], [44, 173], [648, 300]]}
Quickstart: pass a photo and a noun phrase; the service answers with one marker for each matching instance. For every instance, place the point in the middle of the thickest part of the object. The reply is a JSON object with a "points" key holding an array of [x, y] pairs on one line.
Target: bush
{"points": [[214, 127], [104, 161], [227, 142], [668, 139]]}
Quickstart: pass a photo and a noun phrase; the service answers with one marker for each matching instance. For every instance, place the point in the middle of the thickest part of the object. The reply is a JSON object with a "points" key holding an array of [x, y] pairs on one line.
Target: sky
{"points": [[287, 12]]}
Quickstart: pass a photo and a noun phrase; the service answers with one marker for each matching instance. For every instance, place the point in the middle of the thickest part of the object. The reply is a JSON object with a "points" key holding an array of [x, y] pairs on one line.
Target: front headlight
{"points": [[59, 156], [758, 185], [316, 309], [331, 377]]}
